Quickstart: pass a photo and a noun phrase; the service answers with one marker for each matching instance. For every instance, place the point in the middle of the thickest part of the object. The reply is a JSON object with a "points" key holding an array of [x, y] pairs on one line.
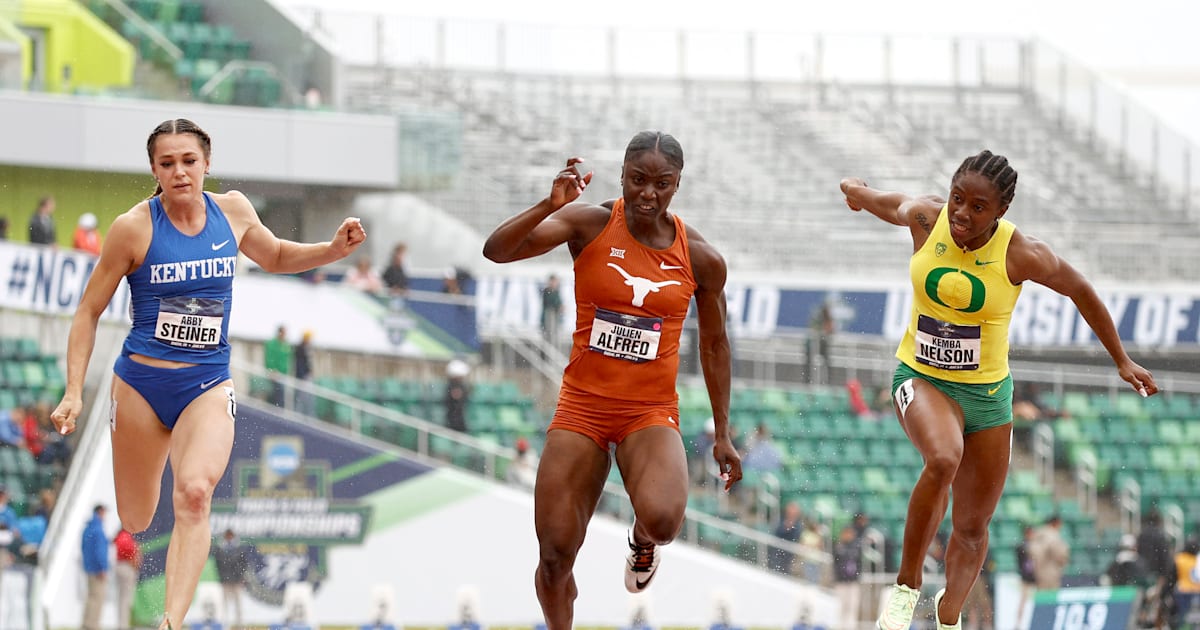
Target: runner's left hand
{"points": [[728, 462]]}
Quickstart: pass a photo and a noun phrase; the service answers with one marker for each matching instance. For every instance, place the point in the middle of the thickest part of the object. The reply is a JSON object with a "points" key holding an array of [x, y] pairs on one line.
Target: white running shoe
{"points": [[640, 565], [937, 600], [898, 613]]}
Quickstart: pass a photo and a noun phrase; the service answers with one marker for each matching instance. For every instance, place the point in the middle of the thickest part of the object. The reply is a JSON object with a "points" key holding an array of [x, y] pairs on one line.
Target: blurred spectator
{"points": [[11, 433], [1155, 550], [86, 237], [41, 224], [232, 564], [1187, 585], [821, 327], [395, 276], [302, 361], [1050, 553], [813, 537], [1025, 570], [860, 524], [762, 454], [458, 395], [1027, 403], [523, 469], [363, 277], [552, 310], [858, 402], [8, 515], [790, 527], [847, 556], [95, 564], [47, 445], [977, 610], [315, 276], [277, 358], [128, 566], [47, 499], [456, 280], [1127, 568], [31, 434], [3, 228]]}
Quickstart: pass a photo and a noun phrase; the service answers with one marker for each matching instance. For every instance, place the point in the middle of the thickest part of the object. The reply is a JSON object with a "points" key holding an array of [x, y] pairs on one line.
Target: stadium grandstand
{"points": [[434, 131]]}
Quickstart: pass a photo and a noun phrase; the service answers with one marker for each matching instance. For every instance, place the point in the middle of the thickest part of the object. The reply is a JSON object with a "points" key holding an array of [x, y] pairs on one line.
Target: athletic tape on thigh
{"points": [[905, 395], [112, 414], [232, 408]]}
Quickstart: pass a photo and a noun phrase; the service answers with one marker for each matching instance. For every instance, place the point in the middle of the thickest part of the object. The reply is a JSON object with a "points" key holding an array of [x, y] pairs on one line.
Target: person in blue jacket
{"points": [[94, 548]]}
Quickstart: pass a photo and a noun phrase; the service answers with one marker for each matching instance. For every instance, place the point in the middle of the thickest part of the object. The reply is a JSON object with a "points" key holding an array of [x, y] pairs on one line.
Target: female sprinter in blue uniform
{"points": [[172, 392]]}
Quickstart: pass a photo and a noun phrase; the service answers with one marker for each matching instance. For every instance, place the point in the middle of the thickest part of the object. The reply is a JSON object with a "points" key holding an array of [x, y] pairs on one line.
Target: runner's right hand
{"points": [[65, 414], [568, 184]]}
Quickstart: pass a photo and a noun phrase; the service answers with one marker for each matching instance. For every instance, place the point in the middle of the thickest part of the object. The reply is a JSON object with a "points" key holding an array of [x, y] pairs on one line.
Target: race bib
{"points": [[626, 337], [190, 323], [947, 346]]}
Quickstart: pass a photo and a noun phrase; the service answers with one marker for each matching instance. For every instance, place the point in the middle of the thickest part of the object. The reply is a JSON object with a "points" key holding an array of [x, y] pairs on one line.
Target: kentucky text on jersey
{"points": [[164, 273], [189, 328]]}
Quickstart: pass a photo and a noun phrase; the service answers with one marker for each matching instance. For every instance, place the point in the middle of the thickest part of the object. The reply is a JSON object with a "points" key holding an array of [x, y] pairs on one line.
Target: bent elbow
{"points": [[495, 253]]}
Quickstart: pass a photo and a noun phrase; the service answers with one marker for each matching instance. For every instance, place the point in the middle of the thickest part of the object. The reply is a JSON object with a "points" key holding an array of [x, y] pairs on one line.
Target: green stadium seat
{"points": [[1131, 405], [1163, 458], [1067, 430], [1078, 406], [191, 11], [168, 10], [1181, 406]]}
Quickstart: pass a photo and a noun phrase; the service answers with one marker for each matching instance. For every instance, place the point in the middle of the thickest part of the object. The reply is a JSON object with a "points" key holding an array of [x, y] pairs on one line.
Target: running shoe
{"points": [[640, 565], [898, 613], [937, 600]]}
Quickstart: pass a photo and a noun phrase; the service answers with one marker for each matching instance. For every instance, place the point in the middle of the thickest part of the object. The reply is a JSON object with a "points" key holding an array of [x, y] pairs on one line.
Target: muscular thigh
{"points": [[570, 477], [203, 436], [140, 444], [932, 420], [653, 466]]}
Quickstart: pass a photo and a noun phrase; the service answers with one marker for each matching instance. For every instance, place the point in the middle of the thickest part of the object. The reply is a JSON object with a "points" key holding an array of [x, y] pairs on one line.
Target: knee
{"points": [[661, 525], [134, 521], [556, 560], [943, 466], [971, 533], [193, 499]]}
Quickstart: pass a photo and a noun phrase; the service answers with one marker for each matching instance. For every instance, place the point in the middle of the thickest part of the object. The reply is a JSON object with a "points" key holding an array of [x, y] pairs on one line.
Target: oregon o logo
{"points": [[978, 292]]}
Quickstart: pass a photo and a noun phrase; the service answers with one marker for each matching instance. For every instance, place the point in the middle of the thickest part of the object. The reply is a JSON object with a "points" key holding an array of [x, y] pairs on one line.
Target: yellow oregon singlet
{"points": [[962, 305]]}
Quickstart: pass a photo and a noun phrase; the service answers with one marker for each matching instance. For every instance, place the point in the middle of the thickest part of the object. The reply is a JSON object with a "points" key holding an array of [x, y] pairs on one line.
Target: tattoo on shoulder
{"points": [[923, 221]]}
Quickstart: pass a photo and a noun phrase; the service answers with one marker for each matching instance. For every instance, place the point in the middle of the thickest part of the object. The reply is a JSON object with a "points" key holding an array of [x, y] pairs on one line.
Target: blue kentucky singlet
{"points": [[181, 295]]}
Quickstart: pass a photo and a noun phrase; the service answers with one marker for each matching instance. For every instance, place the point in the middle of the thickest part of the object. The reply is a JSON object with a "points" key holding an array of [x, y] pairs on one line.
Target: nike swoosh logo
{"points": [[992, 392], [666, 267], [981, 263], [211, 383], [670, 419], [217, 246], [641, 585]]}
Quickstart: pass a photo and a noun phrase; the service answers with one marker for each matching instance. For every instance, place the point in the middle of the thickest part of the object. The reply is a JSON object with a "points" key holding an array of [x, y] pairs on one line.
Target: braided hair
{"points": [[996, 169]]}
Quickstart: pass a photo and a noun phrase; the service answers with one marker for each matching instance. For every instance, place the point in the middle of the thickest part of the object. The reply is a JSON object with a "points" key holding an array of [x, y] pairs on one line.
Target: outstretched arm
{"points": [[716, 357], [918, 214], [1031, 259], [539, 229], [278, 255], [116, 260]]}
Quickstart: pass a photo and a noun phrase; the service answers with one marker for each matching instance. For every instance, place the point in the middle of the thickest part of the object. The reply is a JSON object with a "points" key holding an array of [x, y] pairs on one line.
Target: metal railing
{"points": [[1043, 454], [147, 29], [1129, 505], [753, 546], [1085, 482]]}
